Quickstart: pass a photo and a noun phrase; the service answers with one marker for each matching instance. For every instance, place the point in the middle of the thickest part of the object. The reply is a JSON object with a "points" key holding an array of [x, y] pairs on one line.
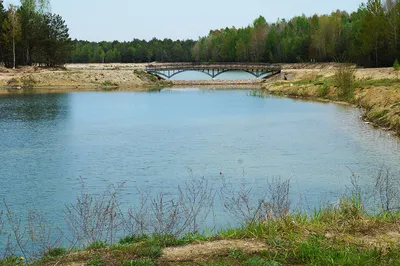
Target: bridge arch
{"points": [[212, 69]]}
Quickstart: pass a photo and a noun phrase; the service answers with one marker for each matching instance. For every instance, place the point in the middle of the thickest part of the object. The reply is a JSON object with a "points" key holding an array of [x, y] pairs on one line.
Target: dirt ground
{"points": [[77, 76]]}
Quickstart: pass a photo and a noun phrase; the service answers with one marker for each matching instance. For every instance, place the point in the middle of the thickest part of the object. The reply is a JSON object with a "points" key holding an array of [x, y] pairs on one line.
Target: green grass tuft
{"points": [[141, 262], [96, 245]]}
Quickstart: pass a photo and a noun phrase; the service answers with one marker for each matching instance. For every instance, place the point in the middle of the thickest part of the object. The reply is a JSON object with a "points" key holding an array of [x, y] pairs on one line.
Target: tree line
{"points": [[370, 37], [30, 34], [137, 50]]}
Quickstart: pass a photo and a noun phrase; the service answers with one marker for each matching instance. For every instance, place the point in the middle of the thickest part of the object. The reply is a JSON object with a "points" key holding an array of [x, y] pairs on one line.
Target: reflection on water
{"points": [[39, 107], [49, 141]]}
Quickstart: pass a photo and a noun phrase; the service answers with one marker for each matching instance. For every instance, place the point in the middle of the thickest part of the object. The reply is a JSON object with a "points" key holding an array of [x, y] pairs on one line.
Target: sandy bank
{"points": [[377, 91], [76, 78]]}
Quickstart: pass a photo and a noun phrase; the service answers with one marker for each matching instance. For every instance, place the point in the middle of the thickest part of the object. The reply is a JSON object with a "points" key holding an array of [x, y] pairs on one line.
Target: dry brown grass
{"points": [[377, 91]]}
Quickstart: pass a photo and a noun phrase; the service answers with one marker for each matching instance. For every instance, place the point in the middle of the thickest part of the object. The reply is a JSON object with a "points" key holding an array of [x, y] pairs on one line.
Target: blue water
{"points": [[155, 140]]}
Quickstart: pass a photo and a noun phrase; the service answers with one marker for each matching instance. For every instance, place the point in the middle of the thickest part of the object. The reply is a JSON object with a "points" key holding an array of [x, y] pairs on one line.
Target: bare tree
{"points": [[197, 199], [92, 219], [43, 238], [387, 189], [249, 208]]}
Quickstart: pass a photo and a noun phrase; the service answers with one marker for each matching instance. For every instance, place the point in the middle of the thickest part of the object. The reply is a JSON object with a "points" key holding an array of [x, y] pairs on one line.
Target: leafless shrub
{"points": [[249, 208], [197, 200], [6, 243], [43, 237], [92, 219], [174, 215], [387, 189], [168, 215], [17, 233], [136, 222], [278, 204], [240, 204], [28, 237]]}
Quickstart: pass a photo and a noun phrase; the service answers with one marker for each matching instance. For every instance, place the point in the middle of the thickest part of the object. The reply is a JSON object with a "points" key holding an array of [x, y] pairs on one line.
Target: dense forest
{"points": [[370, 36], [135, 51], [29, 34]]}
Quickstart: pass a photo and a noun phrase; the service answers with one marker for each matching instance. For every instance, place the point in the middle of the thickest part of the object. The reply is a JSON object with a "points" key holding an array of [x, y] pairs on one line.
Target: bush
{"points": [[323, 91], [56, 252], [396, 67], [344, 79], [96, 245], [133, 239]]}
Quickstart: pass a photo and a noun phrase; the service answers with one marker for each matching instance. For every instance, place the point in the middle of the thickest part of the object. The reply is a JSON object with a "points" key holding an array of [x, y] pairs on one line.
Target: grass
{"points": [[343, 234], [96, 245], [378, 82], [108, 83], [140, 262], [378, 97]]}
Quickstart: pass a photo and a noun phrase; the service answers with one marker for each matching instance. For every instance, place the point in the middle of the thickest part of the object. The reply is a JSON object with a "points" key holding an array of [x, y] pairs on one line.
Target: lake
{"points": [[156, 141]]}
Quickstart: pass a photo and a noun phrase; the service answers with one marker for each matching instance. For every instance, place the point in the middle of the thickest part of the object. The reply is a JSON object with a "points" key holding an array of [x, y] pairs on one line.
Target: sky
{"points": [[124, 20]]}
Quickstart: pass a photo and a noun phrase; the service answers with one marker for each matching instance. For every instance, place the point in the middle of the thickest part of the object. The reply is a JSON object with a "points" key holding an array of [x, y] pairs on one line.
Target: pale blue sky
{"points": [[123, 20]]}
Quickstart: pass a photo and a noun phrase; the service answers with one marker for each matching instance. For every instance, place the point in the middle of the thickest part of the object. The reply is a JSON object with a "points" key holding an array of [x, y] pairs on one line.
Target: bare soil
{"points": [[78, 77], [206, 251]]}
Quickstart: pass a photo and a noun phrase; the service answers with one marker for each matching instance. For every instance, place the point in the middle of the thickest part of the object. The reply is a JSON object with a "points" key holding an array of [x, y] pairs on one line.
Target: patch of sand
{"points": [[207, 250]]}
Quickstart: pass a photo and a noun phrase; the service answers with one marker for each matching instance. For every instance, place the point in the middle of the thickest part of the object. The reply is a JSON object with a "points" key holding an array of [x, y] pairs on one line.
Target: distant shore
{"points": [[77, 77]]}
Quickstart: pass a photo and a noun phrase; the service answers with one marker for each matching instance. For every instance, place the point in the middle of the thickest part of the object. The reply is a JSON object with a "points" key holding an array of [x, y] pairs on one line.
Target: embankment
{"points": [[77, 77], [376, 91]]}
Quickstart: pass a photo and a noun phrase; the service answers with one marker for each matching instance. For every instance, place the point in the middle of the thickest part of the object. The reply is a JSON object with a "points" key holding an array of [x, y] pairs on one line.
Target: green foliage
{"points": [[109, 83], [344, 79], [95, 262], [258, 261], [323, 90], [166, 240], [367, 37], [96, 245], [133, 239], [316, 250], [56, 44], [135, 51], [396, 65], [236, 254], [148, 250], [55, 252], [143, 262], [12, 261], [29, 34], [28, 82]]}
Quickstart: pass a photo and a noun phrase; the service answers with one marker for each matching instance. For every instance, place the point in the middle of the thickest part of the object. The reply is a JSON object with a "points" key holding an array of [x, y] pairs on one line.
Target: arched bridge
{"points": [[212, 69]]}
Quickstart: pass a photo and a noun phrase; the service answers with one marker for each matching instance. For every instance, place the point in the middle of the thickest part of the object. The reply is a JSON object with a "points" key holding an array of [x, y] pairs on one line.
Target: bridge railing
{"points": [[195, 65]]}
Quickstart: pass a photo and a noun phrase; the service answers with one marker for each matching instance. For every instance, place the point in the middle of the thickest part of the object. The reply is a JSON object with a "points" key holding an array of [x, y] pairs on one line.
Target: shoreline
{"points": [[376, 92]]}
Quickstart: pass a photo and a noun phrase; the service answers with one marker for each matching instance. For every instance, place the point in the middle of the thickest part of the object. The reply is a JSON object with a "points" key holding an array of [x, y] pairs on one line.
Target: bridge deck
{"points": [[212, 69], [203, 66]]}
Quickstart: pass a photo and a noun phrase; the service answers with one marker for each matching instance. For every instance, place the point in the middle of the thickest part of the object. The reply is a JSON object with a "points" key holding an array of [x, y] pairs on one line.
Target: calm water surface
{"points": [[151, 140]]}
